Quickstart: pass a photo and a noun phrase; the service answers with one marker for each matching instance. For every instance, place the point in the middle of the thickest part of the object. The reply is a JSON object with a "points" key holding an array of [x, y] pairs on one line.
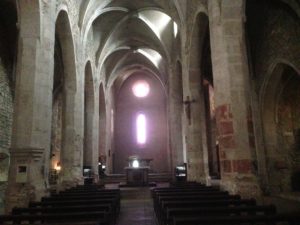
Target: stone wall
{"points": [[127, 108], [273, 32], [6, 101], [6, 110]]}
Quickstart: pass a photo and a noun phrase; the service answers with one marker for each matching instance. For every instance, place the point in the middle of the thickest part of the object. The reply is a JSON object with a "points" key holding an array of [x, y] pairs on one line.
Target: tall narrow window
{"points": [[141, 129]]}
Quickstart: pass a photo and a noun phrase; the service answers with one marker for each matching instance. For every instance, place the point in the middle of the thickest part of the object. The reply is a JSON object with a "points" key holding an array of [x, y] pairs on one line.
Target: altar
{"points": [[137, 171], [137, 176]]}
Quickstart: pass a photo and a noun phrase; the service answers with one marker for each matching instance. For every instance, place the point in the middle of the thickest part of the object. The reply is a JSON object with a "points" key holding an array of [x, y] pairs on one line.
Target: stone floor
{"points": [[136, 207]]}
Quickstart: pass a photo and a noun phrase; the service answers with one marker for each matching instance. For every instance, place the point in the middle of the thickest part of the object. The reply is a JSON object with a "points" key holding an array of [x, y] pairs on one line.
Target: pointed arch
{"points": [[279, 106]]}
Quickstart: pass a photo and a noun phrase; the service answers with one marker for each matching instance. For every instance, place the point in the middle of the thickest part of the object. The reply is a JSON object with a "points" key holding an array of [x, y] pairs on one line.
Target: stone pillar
{"points": [[197, 157], [175, 110], [73, 92], [72, 143], [32, 108], [91, 138], [95, 134], [26, 177], [233, 109]]}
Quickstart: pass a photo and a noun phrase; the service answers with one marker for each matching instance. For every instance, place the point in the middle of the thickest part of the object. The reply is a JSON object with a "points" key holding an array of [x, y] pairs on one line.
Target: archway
{"points": [[281, 124]]}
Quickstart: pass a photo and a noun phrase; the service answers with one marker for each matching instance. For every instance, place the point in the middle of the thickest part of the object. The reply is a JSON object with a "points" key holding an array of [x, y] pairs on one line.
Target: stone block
{"points": [[242, 166], [226, 166], [226, 127], [223, 112], [227, 142]]}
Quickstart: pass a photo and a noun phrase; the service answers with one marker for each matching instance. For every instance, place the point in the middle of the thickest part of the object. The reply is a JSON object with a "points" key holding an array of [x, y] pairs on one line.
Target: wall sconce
{"points": [[58, 167]]}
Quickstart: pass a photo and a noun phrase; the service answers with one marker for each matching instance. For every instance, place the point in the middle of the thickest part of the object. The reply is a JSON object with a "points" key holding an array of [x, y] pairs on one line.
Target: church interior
{"points": [[141, 94]]}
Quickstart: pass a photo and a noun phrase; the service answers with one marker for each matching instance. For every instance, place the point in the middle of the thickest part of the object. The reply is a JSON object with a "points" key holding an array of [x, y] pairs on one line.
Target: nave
{"points": [[136, 207]]}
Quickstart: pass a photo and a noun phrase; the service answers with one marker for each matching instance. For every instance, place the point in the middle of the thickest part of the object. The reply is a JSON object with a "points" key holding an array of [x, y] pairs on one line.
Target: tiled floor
{"points": [[136, 207]]}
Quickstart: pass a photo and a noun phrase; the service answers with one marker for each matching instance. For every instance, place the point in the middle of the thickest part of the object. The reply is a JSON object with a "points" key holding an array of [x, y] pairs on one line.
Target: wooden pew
{"points": [[95, 217], [183, 198], [218, 211], [104, 191], [165, 204], [68, 209], [290, 218], [82, 205]]}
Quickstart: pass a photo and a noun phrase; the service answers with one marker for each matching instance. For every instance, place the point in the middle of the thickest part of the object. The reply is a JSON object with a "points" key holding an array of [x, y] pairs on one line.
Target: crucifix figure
{"points": [[187, 104]]}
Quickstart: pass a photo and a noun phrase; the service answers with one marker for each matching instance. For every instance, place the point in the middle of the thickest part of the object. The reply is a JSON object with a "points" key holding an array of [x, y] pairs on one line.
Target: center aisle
{"points": [[136, 207]]}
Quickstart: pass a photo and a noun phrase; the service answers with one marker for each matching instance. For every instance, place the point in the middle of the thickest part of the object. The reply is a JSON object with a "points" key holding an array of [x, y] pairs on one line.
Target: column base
{"points": [[245, 185], [27, 180]]}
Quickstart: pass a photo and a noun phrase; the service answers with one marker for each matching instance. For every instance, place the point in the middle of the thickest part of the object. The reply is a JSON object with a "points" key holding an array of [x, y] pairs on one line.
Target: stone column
{"points": [[72, 143], [91, 152], [95, 134], [233, 109], [197, 157], [31, 133], [175, 110]]}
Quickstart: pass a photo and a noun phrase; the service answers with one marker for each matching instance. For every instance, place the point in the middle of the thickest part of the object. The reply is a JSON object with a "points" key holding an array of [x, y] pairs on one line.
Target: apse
{"points": [[140, 123]]}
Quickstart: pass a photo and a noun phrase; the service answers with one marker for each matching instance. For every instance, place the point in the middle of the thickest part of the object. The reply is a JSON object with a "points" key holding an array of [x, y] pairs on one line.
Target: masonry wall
{"points": [[6, 111], [127, 107], [273, 32]]}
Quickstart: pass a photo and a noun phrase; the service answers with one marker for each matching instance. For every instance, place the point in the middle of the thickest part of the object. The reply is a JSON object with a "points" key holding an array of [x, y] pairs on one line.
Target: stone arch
{"points": [[65, 37], [102, 126], [89, 110], [281, 127], [194, 104], [197, 40], [71, 160]]}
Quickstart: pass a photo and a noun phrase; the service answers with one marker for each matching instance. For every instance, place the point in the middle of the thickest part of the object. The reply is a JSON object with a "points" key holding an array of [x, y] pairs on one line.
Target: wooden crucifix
{"points": [[187, 107]]}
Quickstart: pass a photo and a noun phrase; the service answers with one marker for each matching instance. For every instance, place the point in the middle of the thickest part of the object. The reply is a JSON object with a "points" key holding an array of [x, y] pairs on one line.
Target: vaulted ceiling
{"points": [[129, 36]]}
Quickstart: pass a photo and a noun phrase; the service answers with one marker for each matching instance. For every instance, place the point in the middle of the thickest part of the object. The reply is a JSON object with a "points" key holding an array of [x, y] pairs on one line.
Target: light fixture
{"points": [[135, 163], [58, 167]]}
